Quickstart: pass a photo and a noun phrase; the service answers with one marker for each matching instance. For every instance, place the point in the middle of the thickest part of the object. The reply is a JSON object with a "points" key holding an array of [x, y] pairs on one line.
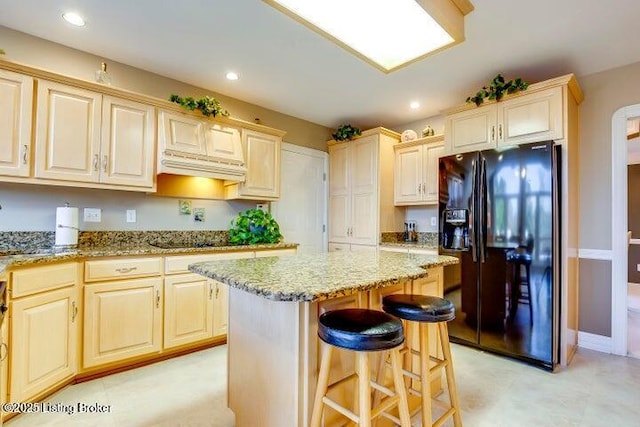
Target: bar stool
{"points": [[422, 310], [521, 257], [362, 331]]}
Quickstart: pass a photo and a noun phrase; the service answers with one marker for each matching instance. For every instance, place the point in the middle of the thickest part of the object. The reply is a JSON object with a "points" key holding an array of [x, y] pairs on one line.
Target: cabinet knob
{"points": [[25, 149], [157, 298], [500, 131], [96, 159], [105, 161], [493, 133], [74, 311], [4, 351]]}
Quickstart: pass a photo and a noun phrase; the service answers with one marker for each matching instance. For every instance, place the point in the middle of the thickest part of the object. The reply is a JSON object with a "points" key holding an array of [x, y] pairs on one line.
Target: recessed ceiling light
{"points": [[73, 18], [386, 34], [232, 76], [414, 105]]}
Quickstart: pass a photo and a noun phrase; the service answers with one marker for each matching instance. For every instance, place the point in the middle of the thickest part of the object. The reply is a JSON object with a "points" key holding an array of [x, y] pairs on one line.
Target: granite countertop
{"points": [[414, 245], [319, 276], [11, 258]]}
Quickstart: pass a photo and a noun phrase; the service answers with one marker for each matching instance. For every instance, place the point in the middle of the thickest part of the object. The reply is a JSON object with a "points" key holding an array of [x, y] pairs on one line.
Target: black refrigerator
{"points": [[499, 213]]}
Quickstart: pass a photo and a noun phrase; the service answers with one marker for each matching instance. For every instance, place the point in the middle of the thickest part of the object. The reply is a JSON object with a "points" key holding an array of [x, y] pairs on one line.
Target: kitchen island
{"points": [[274, 303]]}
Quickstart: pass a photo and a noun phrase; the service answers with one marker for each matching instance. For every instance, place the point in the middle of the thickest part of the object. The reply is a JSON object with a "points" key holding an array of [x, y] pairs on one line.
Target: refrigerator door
{"points": [[458, 183], [516, 222]]}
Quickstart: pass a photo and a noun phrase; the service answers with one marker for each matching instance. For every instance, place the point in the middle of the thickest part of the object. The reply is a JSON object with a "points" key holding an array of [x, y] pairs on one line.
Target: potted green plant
{"points": [[497, 88], [254, 226], [207, 105], [345, 132]]}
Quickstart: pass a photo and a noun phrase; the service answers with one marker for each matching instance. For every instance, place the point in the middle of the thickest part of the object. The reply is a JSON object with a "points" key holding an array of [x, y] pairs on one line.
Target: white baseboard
{"points": [[595, 342], [604, 254]]}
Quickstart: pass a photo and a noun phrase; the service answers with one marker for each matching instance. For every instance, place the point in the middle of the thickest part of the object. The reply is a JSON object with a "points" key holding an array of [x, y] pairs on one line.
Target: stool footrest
{"points": [[342, 381], [444, 417], [387, 403], [339, 408]]}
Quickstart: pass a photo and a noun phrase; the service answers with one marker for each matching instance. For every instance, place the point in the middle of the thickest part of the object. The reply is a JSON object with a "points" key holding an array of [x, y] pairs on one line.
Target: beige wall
{"points": [[37, 52]]}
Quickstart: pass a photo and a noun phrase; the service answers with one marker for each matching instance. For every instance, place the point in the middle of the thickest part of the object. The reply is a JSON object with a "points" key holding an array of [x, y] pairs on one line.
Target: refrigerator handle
{"points": [[472, 213], [482, 215]]}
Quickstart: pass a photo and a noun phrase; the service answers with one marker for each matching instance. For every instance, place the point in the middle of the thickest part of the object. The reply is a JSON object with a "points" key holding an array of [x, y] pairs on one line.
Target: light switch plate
{"points": [[92, 215], [131, 215], [434, 221]]}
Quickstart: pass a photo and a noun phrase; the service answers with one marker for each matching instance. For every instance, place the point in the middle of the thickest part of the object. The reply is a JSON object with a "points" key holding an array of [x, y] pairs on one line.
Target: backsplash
{"points": [[26, 240], [426, 238]]}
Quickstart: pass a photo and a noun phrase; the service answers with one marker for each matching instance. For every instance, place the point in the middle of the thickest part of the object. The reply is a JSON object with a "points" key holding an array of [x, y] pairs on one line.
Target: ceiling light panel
{"points": [[388, 34], [73, 18]]}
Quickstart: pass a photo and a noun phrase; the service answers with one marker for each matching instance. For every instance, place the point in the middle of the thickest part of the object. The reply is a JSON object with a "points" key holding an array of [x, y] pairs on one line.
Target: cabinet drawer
{"points": [[180, 264], [38, 279], [121, 268]]}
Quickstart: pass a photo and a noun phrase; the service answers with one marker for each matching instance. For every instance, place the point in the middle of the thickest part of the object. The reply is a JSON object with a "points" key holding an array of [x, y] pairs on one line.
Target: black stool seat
{"points": [[360, 329], [419, 308]]}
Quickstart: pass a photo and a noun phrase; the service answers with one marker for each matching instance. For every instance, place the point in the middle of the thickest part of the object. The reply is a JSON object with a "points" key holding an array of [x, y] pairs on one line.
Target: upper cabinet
{"points": [[199, 147], [262, 154], [533, 115], [16, 97], [83, 136], [416, 171]]}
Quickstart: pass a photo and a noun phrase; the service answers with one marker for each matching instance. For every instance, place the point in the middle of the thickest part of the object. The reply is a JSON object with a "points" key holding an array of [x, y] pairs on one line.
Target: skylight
{"points": [[386, 33]]}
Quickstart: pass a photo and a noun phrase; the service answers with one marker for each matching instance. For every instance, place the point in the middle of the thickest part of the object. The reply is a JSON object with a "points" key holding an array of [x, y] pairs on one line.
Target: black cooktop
{"points": [[179, 245]]}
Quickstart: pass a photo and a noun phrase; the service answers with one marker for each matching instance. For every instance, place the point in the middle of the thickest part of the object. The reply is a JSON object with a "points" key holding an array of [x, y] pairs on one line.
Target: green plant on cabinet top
{"points": [[345, 132], [497, 88], [254, 226], [207, 105]]}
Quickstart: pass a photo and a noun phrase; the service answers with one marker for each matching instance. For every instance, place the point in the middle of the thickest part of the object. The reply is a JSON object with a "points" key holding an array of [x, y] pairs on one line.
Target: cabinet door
{"points": [[339, 193], [16, 98], [128, 137], [67, 133], [364, 193], [223, 143], [531, 118], [180, 133], [262, 156], [220, 308], [408, 175], [45, 353], [432, 153], [376, 295], [188, 309], [471, 130], [121, 320]]}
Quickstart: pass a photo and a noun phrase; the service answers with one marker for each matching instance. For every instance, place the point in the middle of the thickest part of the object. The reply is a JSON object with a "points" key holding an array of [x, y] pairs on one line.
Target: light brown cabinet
{"points": [[220, 308], [188, 309], [262, 156], [416, 171], [122, 320], [16, 99], [360, 191], [47, 324], [530, 117], [83, 136]]}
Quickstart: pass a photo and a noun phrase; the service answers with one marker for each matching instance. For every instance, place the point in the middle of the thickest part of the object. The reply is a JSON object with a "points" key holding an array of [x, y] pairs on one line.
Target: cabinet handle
{"points": [[493, 133], [211, 291], [74, 311], [96, 159], [419, 188], [124, 270], [157, 298], [25, 149], [105, 159], [217, 290], [500, 131], [5, 353]]}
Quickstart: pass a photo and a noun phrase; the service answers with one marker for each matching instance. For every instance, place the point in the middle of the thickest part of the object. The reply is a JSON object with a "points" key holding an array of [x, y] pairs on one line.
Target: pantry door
{"points": [[302, 208]]}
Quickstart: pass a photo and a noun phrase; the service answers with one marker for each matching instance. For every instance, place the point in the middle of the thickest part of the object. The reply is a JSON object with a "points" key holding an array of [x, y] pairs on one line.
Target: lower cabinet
{"points": [[220, 308], [188, 309], [122, 320], [347, 247], [45, 352]]}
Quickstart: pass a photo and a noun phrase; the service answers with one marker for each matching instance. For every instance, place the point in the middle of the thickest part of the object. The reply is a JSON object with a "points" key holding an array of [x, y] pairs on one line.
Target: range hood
{"points": [[203, 166], [200, 148]]}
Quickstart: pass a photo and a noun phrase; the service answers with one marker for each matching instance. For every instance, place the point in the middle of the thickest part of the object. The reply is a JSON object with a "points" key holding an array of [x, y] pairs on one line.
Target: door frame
{"points": [[619, 227], [298, 149]]}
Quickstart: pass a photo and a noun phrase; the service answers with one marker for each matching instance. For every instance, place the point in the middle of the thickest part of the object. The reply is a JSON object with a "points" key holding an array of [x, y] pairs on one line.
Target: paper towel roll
{"points": [[66, 226]]}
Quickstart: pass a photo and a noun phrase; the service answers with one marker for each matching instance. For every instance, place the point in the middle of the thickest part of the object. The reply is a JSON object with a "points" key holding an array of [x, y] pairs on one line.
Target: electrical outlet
{"points": [[131, 215], [434, 221], [638, 267], [92, 215]]}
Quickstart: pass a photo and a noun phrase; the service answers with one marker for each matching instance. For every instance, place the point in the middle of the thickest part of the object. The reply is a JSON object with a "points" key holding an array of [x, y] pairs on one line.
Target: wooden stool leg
{"points": [[451, 382], [364, 389], [398, 381], [425, 377], [321, 388]]}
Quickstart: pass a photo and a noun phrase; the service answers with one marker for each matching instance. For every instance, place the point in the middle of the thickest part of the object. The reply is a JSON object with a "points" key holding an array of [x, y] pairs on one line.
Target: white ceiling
{"points": [[286, 67]]}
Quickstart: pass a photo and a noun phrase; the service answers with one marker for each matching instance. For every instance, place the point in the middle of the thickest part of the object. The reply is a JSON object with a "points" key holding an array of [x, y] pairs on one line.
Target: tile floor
{"points": [[596, 390]]}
